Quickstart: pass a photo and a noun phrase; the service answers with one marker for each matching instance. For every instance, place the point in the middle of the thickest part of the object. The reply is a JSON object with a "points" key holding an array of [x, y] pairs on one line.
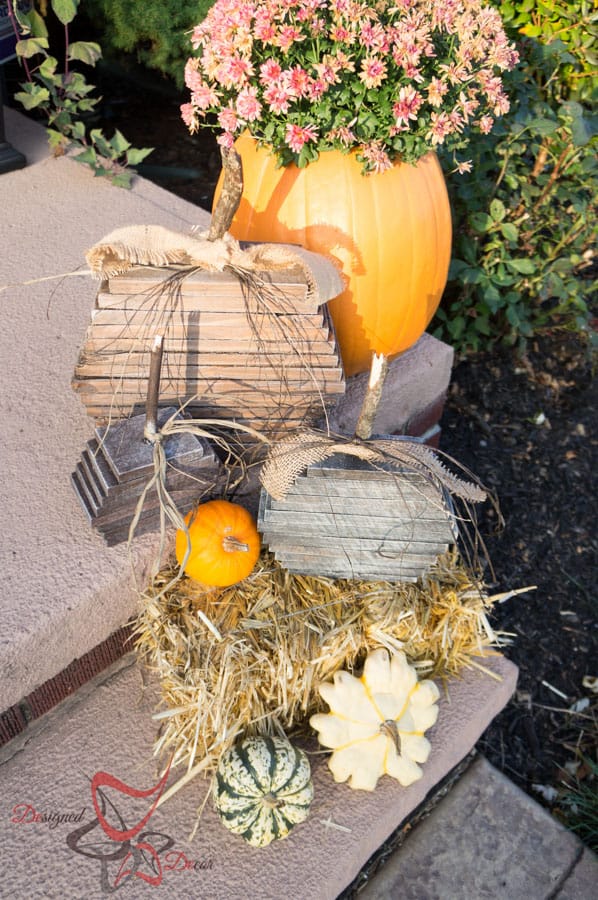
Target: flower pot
{"points": [[390, 233]]}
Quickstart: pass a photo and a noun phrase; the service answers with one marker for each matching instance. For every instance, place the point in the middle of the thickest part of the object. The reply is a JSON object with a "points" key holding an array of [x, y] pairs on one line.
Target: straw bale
{"points": [[249, 659]]}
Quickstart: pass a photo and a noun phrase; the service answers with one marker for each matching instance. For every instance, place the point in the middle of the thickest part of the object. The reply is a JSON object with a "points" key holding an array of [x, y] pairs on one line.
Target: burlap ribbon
{"points": [[153, 245]]}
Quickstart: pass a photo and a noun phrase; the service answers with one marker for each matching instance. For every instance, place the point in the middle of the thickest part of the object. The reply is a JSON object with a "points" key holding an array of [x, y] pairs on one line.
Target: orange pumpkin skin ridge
{"points": [[209, 562], [390, 233]]}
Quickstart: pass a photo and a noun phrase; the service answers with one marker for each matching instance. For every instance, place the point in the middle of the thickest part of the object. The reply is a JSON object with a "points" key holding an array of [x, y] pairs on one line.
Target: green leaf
{"points": [[101, 143], [88, 156], [543, 126], [65, 10], [32, 96], [37, 24], [48, 67], [119, 143], [481, 222], [30, 46], [123, 179], [523, 266], [497, 210], [78, 130], [509, 231], [85, 51], [135, 156], [56, 139]]}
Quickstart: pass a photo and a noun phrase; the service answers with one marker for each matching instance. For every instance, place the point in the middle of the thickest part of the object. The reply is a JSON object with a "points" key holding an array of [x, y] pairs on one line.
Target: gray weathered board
{"points": [[117, 464], [269, 362], [345, 518]]}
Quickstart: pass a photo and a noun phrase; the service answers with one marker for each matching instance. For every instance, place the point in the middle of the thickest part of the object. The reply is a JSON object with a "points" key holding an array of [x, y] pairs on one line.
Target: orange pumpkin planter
{"points": [[225, 544], [390, 233]]}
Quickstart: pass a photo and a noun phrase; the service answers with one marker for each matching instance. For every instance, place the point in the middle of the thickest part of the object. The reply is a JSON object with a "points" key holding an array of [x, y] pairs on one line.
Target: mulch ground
{"points": [[526, 425]]}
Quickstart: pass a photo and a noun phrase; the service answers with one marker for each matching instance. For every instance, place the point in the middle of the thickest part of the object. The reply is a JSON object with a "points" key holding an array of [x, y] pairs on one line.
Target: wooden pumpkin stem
{"points": [[230, 195], [150, 432], [231, 544], [371, 401], [390, 729]]}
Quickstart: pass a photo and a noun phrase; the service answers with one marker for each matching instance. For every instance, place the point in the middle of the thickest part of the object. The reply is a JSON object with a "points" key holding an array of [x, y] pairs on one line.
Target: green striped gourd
{"points": [[263, 788]]}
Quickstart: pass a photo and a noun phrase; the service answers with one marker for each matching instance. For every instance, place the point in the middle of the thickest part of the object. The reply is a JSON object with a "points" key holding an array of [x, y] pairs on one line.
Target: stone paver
{"points": [[487, 840], [582, 882]]}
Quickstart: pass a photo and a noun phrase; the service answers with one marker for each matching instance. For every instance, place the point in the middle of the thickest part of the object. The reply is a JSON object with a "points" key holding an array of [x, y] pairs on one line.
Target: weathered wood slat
{"points": [[137, 366], [212, 320], [141, 341], [327, 569], [292, 302], [348, 525], [386, 547], [384, 486], [144, 278], [133, 357], [133, 386], [344, 506]]}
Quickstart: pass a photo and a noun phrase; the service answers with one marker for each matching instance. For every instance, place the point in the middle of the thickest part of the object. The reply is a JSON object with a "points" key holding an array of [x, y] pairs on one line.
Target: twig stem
{"points": [[371, 401], [153, 390]]}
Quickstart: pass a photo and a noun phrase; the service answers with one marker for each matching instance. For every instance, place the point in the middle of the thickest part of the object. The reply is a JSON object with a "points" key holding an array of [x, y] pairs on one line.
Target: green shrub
{"points": [[523, 256], [156, 32]]}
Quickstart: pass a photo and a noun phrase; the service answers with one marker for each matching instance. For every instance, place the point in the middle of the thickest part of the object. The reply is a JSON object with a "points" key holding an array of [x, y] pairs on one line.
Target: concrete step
{"points": [[52, 845], [66, 595]]}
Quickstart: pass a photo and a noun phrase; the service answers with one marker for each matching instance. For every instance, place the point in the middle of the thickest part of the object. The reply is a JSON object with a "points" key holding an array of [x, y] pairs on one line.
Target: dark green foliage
{"points": [[155, 31], [61, 94], [525, 217]]}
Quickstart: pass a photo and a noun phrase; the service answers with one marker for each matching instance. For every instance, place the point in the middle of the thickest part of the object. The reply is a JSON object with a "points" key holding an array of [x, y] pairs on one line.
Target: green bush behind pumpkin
{"points": [[525, 217]]}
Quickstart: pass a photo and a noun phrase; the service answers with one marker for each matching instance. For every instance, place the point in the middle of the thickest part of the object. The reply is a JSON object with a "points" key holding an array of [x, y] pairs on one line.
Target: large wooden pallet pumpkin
{"points": [[390, 234], [269, 362]]}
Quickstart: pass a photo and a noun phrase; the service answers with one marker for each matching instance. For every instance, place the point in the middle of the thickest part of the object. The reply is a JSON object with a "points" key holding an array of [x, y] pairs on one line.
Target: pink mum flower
{"points": [[296, 80], [287, 36], [188, 117], [485, 124], [436, 91], [248, 106], [270, 71], [204, 97], [298, 135], [378, 159], [407, 105], [227, 119], [278, 98], [440, 127], [373, 72]]}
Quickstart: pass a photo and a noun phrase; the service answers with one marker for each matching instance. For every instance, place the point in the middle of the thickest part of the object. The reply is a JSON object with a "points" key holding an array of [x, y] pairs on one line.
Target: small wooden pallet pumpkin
{"points": [[263, 789], [346, 517]]}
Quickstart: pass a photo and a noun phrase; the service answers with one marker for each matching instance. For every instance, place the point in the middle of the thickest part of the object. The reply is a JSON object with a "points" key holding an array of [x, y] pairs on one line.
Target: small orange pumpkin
{"points": [[225, 543], [390, 234]]}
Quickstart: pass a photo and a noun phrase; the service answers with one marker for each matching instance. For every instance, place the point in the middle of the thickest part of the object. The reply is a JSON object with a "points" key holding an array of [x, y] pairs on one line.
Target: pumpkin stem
{"points": [[390, 728], [231, 544], [271, 801]]}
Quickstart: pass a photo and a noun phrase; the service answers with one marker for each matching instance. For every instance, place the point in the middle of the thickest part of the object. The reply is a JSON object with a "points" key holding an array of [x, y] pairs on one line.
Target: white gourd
{"points": [[376, 723]]}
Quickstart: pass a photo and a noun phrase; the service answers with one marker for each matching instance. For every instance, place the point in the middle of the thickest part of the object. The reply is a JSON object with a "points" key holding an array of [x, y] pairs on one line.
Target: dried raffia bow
{"points": [[289, 457]]}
